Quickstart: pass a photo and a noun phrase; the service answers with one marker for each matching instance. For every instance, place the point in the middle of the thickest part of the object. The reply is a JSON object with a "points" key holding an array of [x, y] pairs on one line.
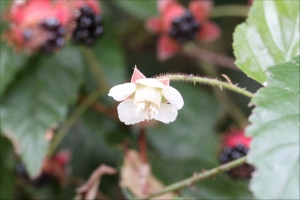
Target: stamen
{"points": [[147, 102]]}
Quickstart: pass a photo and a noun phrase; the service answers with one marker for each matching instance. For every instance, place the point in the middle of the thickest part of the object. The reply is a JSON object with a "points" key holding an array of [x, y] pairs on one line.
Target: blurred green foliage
{"points": [[39, 92]]}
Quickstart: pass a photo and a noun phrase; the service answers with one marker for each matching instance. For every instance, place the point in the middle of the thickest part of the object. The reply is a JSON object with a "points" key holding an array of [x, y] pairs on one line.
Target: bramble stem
{"points": [[207, 81], [198, 177], [72, 119], [230, 11]]}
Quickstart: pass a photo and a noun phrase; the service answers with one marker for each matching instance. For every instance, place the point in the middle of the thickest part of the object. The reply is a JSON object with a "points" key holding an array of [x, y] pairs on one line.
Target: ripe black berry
{"points": [[56, 35], [89, 27], [232, 153], [184, 28]]}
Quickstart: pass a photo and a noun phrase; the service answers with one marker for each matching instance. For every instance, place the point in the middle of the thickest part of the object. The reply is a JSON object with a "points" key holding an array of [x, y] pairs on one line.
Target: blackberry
{"points": [[89, 27], [184, 28], [232, 153], [55, 34]]}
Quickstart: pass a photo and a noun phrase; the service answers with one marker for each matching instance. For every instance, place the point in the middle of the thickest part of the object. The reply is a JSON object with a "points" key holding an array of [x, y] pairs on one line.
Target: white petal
{"points": [[151, 82], [126, 113], [121, 92], [173, 96], [166, 113]]}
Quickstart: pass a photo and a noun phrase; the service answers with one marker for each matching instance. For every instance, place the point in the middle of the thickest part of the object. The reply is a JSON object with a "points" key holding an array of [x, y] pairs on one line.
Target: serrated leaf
{"points": [[275, 134], [269, 36], [191, 144], [10, 64], [139, 8], [39, 100]]}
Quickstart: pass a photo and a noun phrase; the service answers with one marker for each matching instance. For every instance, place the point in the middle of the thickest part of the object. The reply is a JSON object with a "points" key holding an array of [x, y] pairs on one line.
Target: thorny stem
{"points": [[207, 81], [198, 177], [230, 11], [72, 119]]}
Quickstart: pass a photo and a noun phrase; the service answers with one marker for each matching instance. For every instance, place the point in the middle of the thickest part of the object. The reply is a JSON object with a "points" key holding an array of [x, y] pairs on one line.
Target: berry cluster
{"points": [[56, 35], [232, 153], [184, 28], [235, 146], [89, 27]]}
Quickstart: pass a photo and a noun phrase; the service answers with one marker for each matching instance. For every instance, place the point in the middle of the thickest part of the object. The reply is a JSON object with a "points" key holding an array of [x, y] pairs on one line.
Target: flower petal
{"points": [[123, 91], [201, 9], [153, 24], [166, 48], [173, 97], [166, 113], [151, 82], [137, 75], [209, 32], [126, 112]]}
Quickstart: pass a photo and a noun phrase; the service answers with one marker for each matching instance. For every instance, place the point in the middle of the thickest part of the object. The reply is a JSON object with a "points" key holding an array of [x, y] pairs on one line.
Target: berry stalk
{"points": [[198, 177]]}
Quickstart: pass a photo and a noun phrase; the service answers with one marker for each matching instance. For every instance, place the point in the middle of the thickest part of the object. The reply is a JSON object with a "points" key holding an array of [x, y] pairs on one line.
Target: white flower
{"points": [[146, 99]]}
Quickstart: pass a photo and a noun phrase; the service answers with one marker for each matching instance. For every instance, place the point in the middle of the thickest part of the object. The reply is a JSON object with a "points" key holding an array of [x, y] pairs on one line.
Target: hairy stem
{"points": [[206, 81], [72, 119], [230, 11], [198, 177]]}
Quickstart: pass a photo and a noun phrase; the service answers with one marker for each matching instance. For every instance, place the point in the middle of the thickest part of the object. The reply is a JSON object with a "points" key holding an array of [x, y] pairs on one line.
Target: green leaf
{"points": [[275, 134], [38, 100], [191, 144], [139, 8], [10, 64], [269, 36]]}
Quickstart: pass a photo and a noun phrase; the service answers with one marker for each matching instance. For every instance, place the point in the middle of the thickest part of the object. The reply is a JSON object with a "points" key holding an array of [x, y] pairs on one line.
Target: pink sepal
{"points": [[201, 9], [153, 24], [165, 81], [166, 47], [209, 32], [137, 75]]}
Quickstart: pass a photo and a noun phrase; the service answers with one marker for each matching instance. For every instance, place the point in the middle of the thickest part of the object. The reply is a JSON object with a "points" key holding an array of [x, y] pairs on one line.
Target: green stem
{"points": [[207, 81], [72, 119], [93, 64], [95, 67], [230, 11], [199, 177]]}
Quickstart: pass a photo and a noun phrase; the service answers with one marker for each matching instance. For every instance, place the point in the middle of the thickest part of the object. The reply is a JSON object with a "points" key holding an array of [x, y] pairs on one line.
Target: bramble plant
{"points": [[228, 129]]}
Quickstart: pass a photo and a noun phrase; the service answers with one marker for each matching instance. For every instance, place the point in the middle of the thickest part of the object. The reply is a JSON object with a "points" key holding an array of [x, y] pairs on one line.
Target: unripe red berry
{"points": [[38, 25]]}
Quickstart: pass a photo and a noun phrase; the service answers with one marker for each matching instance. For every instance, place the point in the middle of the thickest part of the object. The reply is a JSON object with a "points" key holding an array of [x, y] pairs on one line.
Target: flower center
{"points": [[147, 101], [184, 28]]}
